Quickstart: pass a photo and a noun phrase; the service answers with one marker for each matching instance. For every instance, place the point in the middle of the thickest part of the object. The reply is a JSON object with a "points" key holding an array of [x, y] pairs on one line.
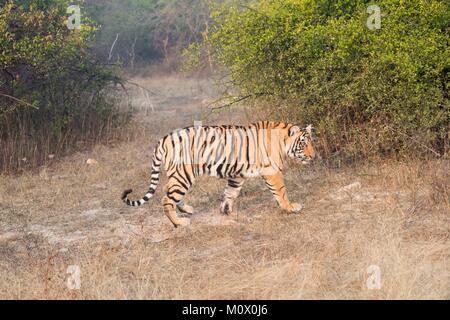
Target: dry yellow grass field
{"points": [[389, 216]]}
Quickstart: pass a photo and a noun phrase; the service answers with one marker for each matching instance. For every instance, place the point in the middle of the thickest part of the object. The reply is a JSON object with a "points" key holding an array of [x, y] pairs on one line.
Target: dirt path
{"points": [[387, 216], [169, 103]]}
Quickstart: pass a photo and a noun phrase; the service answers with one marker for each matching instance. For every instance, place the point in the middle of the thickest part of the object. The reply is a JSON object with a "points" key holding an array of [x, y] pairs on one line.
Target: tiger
{"points": [[231, 152]]}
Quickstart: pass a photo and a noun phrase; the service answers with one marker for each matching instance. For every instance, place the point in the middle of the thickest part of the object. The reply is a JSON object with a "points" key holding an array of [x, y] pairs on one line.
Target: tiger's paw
{"points": [[226, 207], [296, 208], [186, 209]]}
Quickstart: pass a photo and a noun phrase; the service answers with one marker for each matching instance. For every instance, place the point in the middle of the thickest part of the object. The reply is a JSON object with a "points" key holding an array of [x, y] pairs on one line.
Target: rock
{"points": [[91, 162], [343, 192], [10, 236], [350, 187], [60, 177]]}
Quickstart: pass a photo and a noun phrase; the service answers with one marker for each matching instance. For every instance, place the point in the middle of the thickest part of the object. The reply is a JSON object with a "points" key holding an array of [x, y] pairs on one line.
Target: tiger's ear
{"points": [[294, 130], [309, 129]]}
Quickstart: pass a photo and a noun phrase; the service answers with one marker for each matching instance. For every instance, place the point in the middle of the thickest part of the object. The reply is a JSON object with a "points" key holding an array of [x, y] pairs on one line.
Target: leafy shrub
{"points": [[368, 92], [53, 92]]}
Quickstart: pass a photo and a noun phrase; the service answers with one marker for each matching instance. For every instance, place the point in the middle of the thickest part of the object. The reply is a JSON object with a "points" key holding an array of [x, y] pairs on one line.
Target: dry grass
{"points": [[33, 138], [397, 217]]}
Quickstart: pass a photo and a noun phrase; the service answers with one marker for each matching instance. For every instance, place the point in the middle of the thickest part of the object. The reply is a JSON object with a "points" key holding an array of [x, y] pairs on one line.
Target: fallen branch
{"points": [[18, 100], [139, 86], [420, 144]]}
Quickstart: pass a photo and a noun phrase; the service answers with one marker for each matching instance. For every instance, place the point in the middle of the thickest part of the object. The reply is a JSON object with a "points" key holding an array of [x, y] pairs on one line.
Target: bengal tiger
{"points": [[226, 151]]}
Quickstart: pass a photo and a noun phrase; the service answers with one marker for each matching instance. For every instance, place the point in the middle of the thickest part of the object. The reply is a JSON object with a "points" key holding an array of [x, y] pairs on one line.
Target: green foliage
{"points": [[50, 83], [366, 91]]}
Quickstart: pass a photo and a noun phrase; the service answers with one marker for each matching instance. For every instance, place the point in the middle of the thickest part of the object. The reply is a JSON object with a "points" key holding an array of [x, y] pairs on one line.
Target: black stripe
{"points": [[177, 191], [219, 172], [248, 148], [233, 183], [182, 184], [172, 198], [239, 171]]}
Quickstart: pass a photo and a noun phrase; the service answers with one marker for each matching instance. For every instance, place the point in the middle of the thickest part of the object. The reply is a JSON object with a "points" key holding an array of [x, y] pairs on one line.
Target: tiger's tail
{"points": [[154, 181]]}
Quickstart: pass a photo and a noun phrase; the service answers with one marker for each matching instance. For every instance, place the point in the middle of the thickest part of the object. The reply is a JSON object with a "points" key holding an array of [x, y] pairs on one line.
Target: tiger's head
{"points": [[299, 144]]}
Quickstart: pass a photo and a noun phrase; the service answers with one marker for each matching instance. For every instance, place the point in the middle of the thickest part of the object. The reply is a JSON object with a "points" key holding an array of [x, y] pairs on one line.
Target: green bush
{"points": [[53, 91], [367, 92]]}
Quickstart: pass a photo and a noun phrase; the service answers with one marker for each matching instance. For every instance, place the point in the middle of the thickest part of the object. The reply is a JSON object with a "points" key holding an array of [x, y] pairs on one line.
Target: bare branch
{"points": [[112, 47], [236, 100], [420, 144], [18, 100], [139, 86]]}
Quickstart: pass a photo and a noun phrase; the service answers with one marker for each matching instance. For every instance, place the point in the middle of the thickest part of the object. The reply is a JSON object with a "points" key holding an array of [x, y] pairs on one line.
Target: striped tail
{"points": [[156, 165]]}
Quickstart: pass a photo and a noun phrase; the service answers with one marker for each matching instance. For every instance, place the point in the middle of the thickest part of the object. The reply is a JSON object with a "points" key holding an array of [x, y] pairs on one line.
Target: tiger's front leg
{"points": [[275, 183], [232, 191]]}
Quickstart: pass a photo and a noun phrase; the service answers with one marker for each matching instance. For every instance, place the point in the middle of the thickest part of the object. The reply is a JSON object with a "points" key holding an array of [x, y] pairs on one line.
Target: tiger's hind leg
{"points": [[185, 208], [275, 183], [232, 191], [171, 213], [175, 188]]}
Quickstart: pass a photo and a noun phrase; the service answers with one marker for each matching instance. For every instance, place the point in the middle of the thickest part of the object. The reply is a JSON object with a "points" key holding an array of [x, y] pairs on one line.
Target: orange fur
{"points": [[231, 152]]}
